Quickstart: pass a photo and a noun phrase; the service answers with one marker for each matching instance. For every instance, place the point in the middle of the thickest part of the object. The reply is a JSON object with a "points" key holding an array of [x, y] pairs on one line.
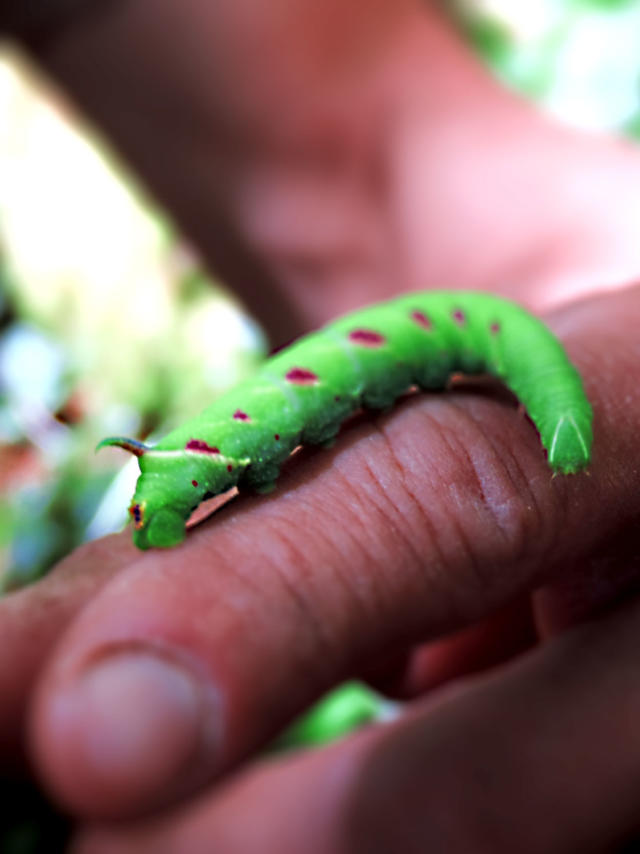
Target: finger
{"points": [[541, 757], [418, 523], [593, 585], [496, 639], [32, 620], [410, 673]]}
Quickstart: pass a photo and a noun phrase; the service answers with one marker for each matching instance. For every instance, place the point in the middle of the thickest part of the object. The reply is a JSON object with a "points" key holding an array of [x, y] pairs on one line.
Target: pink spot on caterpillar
{"points": [[367, 338], [201, 447], [301, 376], [239, 415], [276, 436], [421, 319], [337, 398], [494, 328], [459, 317], [194, 483], [229, 467]]}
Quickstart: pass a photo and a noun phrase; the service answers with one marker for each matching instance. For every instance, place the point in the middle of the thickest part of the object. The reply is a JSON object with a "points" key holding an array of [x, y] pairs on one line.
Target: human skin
{"points": [[349, 164]]}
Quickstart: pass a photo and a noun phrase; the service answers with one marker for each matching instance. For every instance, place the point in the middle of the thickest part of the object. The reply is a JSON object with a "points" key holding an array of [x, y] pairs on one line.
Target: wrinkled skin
{"points": [[337, 153]]}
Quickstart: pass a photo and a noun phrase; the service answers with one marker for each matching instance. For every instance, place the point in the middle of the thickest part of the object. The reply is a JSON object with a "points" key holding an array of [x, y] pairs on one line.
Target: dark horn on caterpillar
{"points": [[132, 445]]}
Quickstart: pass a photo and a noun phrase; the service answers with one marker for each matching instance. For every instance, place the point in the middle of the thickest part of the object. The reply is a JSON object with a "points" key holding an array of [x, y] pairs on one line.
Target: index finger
{"points": [[418, 522], [32, 620]]}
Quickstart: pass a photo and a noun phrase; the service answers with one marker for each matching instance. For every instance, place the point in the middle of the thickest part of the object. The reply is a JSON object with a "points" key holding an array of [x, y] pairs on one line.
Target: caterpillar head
{"points": [[156, 522], [172, 483]]}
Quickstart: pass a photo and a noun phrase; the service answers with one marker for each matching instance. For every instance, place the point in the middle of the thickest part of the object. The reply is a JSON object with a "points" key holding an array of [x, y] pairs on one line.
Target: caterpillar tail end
{"points": [[570, 447], [132, 445]]}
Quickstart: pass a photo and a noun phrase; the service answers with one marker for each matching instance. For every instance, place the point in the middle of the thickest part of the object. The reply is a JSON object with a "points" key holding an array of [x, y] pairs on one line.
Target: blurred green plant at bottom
{"points": [[345, 709], [29, 824]]}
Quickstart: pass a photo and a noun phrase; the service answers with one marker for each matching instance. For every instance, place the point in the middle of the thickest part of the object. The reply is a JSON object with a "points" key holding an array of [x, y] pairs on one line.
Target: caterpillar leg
{"points": [[264, 488], [328, 442], [261, 478]]}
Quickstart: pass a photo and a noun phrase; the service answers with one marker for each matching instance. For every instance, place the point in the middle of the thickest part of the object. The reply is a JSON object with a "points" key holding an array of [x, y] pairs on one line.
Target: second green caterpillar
{"points": [[365, 359]]}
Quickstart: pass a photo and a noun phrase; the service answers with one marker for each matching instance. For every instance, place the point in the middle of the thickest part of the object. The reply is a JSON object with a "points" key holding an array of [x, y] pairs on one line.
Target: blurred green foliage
{"points": [[579, 57], [41, 523]]}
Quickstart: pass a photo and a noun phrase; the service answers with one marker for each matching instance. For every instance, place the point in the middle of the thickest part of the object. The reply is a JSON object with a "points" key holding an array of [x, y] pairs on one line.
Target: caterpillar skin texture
{"points": [[365, 359]]}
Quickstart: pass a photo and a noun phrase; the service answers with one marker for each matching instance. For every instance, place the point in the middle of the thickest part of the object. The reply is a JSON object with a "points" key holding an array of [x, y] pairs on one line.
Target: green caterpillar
{"points": [[365, 359]]}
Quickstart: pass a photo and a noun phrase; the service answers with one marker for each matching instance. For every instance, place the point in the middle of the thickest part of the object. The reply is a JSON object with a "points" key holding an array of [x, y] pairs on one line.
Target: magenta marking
{"points": [[239, 415], [494, 328], [276, 436], [337, 398], [459, 316], [229, 467], [367, 338], [301, 376], [194, 483], [201, 447], [421, 319]]}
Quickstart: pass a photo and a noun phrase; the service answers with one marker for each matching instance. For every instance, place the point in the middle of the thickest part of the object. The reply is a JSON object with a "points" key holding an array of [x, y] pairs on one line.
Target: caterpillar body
{"points": [[366, 359]]}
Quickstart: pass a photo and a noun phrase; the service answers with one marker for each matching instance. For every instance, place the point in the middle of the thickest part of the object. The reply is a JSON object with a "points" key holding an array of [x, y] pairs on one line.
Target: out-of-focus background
{"points": [[84, 354]]}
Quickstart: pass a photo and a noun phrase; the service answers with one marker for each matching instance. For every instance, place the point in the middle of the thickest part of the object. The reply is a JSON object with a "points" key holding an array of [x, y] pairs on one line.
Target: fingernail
{"points": [[131, 729]]}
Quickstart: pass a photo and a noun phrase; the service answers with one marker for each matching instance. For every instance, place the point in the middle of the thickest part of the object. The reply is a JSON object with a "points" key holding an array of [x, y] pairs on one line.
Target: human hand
{"points": [[324, 156], [403, 541]]}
